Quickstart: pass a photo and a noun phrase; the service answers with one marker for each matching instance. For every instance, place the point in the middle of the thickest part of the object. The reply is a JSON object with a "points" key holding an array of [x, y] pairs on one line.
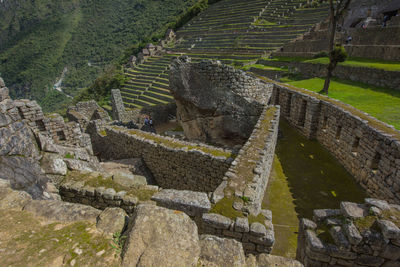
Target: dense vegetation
{"points": [[38, 39]]}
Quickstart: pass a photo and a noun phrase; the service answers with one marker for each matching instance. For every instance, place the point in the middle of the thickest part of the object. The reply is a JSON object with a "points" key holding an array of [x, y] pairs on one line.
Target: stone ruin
{"points": [[354, 235], [128, 170]]}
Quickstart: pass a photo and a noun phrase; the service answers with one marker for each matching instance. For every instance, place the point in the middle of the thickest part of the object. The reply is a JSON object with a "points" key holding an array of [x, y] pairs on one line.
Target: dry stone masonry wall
{"points": [[250, 181], [173, 163], [377, 77], [354, 235], [370, 155], [255, 237], [99, 198]]}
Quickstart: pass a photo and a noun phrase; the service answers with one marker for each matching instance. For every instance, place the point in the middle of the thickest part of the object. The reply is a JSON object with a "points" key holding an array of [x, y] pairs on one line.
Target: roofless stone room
{"points": [[206, 133]]}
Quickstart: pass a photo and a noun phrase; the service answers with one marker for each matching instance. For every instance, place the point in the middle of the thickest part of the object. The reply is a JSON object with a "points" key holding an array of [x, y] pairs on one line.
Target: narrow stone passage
{"points": [[305, 177]]}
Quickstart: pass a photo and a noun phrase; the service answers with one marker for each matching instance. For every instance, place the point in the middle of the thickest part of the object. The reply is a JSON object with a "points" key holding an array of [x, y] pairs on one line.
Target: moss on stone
{"points": [[97, 180], [103, 133], [30, 241], [175, 144], [224, 207]]}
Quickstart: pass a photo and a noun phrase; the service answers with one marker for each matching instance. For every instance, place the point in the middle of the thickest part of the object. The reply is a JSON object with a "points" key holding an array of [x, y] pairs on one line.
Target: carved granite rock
{"points": [[215, 102]]}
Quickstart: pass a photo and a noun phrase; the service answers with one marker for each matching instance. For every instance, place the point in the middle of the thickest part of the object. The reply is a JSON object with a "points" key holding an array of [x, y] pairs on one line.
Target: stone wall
{"points": [[373, 76], [251, 183], [99, 198], [385, 52], [83, 112], [372, 156], [173, 163], [53, 125], [118, 109], [354, 235], [255, 237]]}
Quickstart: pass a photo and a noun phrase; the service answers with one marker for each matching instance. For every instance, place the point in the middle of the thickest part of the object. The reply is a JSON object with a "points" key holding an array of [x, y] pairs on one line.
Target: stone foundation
{"points": [[256, 238]]}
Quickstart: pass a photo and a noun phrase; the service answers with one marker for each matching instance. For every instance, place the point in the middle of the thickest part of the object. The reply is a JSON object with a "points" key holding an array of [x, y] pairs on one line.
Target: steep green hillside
{"points": [[40, 39]]}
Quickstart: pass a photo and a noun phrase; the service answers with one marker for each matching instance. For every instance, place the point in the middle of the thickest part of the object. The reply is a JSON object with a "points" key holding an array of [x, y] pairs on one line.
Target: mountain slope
{"points": [[40, 39]]}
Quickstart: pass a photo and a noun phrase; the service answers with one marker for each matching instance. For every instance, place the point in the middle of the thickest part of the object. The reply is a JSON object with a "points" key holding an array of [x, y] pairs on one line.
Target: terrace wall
{"points": [[377, 77], [370, 155], [172, 164], [99, 198]]}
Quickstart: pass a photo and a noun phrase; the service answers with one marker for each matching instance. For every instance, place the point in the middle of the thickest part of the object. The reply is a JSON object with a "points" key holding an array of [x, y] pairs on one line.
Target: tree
{"points": [[336, 52]]}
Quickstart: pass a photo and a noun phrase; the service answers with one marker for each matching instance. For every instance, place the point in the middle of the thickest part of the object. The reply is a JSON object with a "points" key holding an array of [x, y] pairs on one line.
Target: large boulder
{"points": [[216, 103], [221, 251], [56, 210], [161, 237], [25, 175], [112, 220], [53, 164], [17, 139]]}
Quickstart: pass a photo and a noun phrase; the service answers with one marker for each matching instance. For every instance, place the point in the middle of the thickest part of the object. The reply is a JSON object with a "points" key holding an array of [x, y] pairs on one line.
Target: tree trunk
{"points": [[332, 63]]}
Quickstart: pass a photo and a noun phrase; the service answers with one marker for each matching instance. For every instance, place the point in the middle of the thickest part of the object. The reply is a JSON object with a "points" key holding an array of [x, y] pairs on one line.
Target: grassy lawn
{"points": [[353, 62], [263, 67], [381, 103]]}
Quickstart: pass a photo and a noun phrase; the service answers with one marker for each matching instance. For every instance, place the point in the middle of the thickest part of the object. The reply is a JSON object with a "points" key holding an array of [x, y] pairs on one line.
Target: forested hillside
{"points": [[41, 38]]}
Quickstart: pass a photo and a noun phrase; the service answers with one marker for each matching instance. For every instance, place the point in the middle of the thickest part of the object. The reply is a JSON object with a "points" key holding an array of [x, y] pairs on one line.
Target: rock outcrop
{"points": [[161, 237], [112, 221], [25, 175], [221, 252], [216, 103]]}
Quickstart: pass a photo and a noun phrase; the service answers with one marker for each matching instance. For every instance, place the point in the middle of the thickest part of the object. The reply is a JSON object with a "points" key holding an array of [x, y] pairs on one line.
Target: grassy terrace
{"points": [[176, 144], [391, 96], [244, 172], [383, 104], [353, 62]]}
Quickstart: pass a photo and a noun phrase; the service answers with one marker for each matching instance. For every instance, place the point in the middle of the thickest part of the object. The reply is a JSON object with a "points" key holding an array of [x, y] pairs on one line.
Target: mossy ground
{"points": [[26, 240], [305, 176], [98, 180]]}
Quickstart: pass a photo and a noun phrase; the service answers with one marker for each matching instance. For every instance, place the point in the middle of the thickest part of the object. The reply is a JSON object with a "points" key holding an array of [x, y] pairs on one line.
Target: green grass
{"points": [[260, 66], [352, 62], [380, 103]]}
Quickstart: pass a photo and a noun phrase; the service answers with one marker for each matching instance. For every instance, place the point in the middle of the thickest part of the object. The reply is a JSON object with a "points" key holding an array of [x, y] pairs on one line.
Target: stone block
{"points": [[352, 233], [257, 229], [368, 260], [314, 243], [381, 204], [242, 225], [353, 210], [321, 214], [390, 252], [216, 220], [190, 202], [339, 237], [389, 229]]}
